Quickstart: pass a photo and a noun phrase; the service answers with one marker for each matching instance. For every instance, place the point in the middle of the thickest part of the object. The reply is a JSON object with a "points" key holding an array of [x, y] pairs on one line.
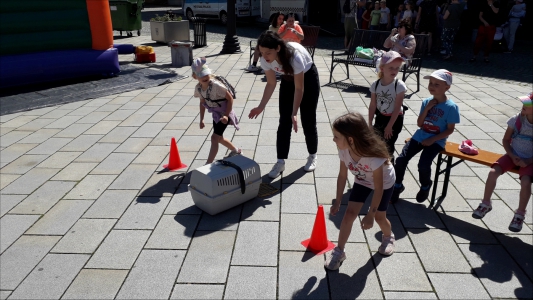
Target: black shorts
{"points": [[360, 193], [219, 128]]}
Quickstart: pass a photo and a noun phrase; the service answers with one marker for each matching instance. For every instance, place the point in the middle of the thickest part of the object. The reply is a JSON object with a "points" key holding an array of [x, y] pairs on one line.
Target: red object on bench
{"points": [[145, 57]]}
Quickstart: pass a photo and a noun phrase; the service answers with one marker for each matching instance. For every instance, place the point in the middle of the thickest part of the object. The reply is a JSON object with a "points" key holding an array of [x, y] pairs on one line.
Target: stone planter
{"points": [[165, 32]]}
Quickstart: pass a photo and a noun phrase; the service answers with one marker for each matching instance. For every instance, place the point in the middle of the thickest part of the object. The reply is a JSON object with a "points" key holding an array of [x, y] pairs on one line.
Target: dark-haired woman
{"points": [[299, 90], [402, 41], [275, 23]]}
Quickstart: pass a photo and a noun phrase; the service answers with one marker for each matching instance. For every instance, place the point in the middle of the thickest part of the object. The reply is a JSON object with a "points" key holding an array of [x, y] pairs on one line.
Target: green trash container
{"points": [[126, 15]]}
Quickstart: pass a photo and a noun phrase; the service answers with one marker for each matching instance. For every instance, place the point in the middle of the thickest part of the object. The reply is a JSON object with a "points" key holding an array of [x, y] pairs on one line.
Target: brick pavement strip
{"points": [[111, 149]]}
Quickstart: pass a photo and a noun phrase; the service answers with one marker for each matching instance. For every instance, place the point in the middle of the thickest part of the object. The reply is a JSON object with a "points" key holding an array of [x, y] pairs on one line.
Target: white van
{"points": [[218, 9]]}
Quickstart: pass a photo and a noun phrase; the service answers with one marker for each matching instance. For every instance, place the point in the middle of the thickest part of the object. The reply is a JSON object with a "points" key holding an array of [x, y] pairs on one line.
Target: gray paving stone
{"points": [[148, 130], [417, 215], [14, 151], [12, 227], [51, 277], [91, 187], [409, 295], [327, 166], [40, 201], [374, 235], [517, 246], [295, 173], [294, 229], [226, 220], [500, 275], [36, 124], [143, 213], [39, 136], [248, 245], [152, 155], [356, 278], [94, 117], [437, 251], [60, 218], [118, 135], [111, 204], [182, 203], [115, 163], [5, 294], [262, 209], [301, 275], [298, 198], [75, 171], [201, 266], [50, 146], [82, 143], [333, 225], [512, 199], [18, 261], [173, 232], [326, 189], [133, 145], [134, 177], [162, 184], [85, 236], [107, 281], [73, 130], [12, 137], [190, 143], [30, 181], [119, 114], [465, 229], [153, 275], [251, 283], [8, 202], [119, 250], [97, 153], [458, 286], [23, 164], [59, 160], [198, 291], [102, 127], [413, 279]]}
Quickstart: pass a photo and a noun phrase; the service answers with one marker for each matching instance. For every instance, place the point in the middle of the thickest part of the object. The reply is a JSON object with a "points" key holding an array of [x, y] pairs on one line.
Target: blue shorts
{"points": [[360, 193]]}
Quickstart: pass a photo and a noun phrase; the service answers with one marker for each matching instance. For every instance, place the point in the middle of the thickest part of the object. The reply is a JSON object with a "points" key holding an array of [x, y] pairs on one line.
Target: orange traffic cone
{"points": [[174, 160], [319, 243]]}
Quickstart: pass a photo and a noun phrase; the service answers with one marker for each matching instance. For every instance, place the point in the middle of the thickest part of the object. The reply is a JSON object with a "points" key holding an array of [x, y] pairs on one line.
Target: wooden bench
{"points": [[451, 150], [376, 39], [309, 42]]}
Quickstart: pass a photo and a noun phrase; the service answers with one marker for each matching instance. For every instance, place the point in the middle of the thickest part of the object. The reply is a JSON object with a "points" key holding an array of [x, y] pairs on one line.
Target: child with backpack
{"points": [[386, 101], [216, 95], [437, 119], [363, 153], [518, 145]]}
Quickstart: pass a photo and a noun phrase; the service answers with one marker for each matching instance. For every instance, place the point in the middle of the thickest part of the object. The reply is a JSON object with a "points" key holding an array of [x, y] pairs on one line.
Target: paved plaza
{"points": [[87, 213]]}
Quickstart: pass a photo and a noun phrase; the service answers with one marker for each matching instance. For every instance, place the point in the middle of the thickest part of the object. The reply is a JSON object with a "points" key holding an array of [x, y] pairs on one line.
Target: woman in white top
{"points": [[402, 41], [299, 90], [518, 11]]}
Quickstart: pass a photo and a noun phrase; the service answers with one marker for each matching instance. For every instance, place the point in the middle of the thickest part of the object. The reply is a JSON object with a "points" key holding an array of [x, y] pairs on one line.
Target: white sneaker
{"points": [[234, 152], [334, 259], [276, 170], [252, 68], [311, 164], [387, 245]]}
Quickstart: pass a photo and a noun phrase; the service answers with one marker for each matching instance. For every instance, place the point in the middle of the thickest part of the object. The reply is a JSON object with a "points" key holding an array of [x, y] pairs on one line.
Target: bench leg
{"points": [[417, 81], [436, 180], [449, 167], [347, 71], [331, 70]]}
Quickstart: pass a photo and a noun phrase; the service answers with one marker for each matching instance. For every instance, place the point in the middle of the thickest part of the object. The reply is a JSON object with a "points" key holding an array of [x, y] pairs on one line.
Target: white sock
{"points": [[313, 155], [281, 161]]}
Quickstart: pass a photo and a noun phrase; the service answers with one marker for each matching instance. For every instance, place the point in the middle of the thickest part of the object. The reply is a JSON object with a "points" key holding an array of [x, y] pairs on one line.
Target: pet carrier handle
{"points": [[239, 171]]}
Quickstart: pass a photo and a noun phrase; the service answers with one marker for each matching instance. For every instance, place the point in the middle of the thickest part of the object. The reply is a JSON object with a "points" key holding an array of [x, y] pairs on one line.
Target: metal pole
{"points": [[231, 41]]}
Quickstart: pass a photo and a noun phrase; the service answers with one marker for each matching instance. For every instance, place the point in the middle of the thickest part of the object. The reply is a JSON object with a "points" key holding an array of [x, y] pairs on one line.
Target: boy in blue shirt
{"points": [[437, 119]]}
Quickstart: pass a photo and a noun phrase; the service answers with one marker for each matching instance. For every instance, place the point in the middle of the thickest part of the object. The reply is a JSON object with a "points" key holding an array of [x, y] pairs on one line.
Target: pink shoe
{"points": [[467, 148]]}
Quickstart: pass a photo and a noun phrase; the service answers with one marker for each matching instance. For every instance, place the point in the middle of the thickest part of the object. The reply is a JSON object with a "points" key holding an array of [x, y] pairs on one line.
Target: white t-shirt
{"points": [[407, 14], [216, 89], [386, 95], [384, 12], [300, 62], [522, 145], [363, 170]]}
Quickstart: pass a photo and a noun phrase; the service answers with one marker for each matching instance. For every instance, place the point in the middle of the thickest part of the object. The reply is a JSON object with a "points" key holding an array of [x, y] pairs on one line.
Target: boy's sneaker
{"points": [[387, 245], [277, 169], [234, 152], [516, 223], [252, 68], [396, 194], [334, 259], [311, 164], [481, 211], [422, 194]]}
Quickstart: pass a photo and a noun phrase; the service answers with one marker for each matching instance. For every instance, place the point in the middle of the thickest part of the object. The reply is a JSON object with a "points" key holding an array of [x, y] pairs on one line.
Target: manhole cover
{"points": [[266, 189]]}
